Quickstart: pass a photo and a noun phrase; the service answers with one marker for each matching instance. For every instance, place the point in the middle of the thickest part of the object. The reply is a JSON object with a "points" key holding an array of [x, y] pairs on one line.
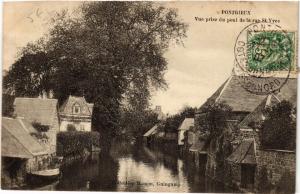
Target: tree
{"points": [[279, 128], [7, 105], [110, 52], [216, 116], [173, 122], [136, 123]]}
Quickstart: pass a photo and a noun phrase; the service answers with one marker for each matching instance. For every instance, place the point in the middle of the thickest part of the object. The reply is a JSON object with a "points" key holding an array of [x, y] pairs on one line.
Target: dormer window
{"points": [[76, 109]]}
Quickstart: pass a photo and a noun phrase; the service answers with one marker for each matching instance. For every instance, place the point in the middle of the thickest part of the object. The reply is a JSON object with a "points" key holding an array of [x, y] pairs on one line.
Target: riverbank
{"points": [[143, 168]]}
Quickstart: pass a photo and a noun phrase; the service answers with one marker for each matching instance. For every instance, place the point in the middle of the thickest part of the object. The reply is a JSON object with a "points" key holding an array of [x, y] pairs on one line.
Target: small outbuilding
{"points": [[242, 164], [186, 124], [20, 152], [147, 137]]}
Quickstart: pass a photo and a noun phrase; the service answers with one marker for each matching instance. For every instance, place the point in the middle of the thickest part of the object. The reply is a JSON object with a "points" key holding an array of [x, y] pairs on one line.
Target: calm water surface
{"points": [[133, 168]]}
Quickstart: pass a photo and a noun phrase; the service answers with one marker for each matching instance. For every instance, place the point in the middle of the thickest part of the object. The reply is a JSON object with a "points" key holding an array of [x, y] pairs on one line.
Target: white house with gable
{"points": [[76, 113]]}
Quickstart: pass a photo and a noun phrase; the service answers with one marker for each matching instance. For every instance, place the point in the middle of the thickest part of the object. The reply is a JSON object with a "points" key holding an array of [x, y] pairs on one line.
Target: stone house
{"points": [[233, 94], [76, 114], [42, 114], [274, 163], [20, 151], [246, 108]]}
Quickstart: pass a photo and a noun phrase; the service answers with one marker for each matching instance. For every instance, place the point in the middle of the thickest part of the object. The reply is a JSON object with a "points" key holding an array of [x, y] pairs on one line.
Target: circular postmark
{"points": [[264, 57]]}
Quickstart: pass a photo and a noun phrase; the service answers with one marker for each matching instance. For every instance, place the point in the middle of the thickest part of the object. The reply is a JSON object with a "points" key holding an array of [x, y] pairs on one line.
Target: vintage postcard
{"points": [[139, 96]]}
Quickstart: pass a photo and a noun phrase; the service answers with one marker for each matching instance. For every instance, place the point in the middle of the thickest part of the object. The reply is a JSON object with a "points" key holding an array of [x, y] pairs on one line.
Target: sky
{"points": [[195, 70]]}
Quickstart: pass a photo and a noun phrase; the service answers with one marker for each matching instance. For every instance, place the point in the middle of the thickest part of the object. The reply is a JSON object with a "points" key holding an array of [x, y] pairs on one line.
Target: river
{"points": [[133, 168]]}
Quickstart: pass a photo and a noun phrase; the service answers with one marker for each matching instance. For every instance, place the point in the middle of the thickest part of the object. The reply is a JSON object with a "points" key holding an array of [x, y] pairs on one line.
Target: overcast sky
{"points": [[195, 71]]}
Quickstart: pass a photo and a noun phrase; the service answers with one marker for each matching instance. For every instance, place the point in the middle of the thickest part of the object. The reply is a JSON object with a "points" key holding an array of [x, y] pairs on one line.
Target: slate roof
{"points": [[287, 92], [237, 97], [36, 109], [186, 124], [67, 106], [233, 94], [244, 153], [16, 140], [256, 115], [151, 131], [27, 126]]}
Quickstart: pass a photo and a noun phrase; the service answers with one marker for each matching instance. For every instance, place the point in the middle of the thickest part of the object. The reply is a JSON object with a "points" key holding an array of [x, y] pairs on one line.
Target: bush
{"points": [[71, 127], [216, 118], [279, 128], [76, 142], [173, 122], [39, 127], [7, 105]]}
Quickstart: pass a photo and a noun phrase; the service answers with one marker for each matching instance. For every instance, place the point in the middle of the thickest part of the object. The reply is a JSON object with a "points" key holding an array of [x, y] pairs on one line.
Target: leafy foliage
{"points": [[213, 127], [173, 122], [39, 127], [279, 128], [7, 105], [71, 127], [110, 52], [215, 119], [40, 136], [135, 123], [75, 142]]}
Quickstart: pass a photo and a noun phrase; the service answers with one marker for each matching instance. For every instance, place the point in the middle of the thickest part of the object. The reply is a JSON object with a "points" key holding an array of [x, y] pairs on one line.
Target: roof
{"points": [[11, 147], [36, 109], [86, 109], [256, 115], [287, 92], [17, 141], [151, 131], [186, 124], [233, 94], [244, 153]]}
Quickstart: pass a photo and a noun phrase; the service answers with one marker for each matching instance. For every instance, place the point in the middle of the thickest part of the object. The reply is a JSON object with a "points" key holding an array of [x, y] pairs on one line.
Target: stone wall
{"points": [[276, 164]]}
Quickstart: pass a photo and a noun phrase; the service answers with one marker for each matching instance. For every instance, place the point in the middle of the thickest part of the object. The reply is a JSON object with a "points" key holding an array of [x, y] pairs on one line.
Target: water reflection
{"points": [[134, 168]]}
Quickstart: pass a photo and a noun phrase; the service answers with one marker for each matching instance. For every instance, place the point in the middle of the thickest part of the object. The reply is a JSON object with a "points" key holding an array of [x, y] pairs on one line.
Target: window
{"points": [[76, 109]]}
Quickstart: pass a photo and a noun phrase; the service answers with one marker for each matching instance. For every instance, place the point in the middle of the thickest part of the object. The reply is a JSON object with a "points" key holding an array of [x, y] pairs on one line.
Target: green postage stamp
{"points": [[264, 57], [270, 51]]}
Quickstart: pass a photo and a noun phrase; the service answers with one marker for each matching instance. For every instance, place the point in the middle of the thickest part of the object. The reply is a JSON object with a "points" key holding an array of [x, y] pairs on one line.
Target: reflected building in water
{"points": [[133, 168]]}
